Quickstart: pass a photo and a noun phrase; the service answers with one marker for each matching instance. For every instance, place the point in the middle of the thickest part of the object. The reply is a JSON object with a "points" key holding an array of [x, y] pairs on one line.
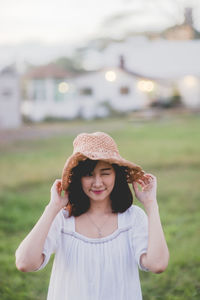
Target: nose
{"points": [[97, 181]]}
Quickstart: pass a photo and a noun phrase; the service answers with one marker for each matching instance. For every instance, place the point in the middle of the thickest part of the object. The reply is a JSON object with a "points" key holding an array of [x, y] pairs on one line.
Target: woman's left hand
{"points": [[147, 195]]}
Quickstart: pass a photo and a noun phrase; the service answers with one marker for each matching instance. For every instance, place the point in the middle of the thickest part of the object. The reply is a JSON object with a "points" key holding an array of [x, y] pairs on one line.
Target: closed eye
{"points": [[88, 175]]}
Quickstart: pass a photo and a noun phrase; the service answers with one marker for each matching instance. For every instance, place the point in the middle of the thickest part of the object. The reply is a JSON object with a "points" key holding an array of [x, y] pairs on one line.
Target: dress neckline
{"points": [[107, 237]]}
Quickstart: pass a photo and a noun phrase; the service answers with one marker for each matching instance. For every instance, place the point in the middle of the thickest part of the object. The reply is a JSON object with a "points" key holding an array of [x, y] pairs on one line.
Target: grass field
{"points": [[169, 149]]}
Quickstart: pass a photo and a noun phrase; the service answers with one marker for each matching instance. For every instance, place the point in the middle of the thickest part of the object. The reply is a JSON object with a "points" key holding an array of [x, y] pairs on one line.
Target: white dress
{"points": [[97, 268]]}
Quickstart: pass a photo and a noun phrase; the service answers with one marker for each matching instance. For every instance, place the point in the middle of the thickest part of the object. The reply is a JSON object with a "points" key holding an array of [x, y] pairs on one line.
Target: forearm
{"points": [[29, 253], [157, 256]]}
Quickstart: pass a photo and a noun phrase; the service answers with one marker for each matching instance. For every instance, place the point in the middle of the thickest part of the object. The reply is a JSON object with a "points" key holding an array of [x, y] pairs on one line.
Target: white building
{"points": [[49, 93], [10, 114], [171, 63], [52, 93], [114, 88], [154, 71]]}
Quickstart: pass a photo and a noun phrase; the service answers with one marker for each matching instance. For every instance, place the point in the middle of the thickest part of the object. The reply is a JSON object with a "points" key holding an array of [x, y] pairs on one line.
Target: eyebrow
{"points": [[105, 169]]}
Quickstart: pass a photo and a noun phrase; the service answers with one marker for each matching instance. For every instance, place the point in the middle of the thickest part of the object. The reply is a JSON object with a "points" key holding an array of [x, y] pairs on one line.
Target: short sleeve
{"points": [[140, 234], [52, 240]]}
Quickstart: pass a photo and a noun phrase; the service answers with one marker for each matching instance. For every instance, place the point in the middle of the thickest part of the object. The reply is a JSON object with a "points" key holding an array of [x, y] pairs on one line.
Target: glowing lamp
{"points": [[146, 86], [63, 87], [190, 81], [110, 76]]}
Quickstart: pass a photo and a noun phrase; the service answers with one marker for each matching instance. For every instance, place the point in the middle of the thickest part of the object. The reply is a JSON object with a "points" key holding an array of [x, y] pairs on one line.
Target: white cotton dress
{"points": [[97, 268]]}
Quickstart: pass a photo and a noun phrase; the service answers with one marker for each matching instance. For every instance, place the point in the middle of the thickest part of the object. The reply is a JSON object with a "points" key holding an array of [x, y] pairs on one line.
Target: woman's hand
{"points": [[57, 200], [147, 196]]}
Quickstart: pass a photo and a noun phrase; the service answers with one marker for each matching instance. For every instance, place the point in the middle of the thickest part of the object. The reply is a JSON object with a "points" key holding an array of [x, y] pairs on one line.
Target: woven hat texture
{"points": [[97, 146]]}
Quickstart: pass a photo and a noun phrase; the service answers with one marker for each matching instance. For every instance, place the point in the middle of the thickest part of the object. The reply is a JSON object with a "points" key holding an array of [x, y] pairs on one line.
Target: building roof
{"points": [[159, 59], [47, 71]]}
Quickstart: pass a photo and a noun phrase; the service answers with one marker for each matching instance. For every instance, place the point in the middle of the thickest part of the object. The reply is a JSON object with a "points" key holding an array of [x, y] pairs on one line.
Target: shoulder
{"points": [[135, 210], [59, 219], [135, 214]]}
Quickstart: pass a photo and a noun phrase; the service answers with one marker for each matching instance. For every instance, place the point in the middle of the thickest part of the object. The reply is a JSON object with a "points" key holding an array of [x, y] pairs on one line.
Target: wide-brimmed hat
{"points": [[98, 146]]}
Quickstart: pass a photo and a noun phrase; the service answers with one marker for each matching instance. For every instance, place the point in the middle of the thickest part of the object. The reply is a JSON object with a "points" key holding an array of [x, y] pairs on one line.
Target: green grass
{"points": [[169, 149]]}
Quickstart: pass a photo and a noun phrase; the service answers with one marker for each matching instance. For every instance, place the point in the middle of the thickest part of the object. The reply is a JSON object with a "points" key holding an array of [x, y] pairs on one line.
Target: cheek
{"points": [[111, 181], [85, 183]]}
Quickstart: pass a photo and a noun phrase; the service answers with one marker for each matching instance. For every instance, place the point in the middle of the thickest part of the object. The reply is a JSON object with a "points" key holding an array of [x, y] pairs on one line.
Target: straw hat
{"points": [[98, 146]]}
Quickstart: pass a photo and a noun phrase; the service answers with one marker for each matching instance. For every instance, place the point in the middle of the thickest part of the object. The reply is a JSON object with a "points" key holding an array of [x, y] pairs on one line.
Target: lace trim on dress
{"points": [[86, 239]]}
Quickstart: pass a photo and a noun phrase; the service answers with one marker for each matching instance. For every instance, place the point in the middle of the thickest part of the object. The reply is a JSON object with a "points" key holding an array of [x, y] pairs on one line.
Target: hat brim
{"points": [[134, 171]]}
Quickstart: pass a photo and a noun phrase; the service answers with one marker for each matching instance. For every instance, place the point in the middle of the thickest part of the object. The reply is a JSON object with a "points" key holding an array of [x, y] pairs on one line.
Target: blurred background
{"points": [[130, 68], [67, 60]]}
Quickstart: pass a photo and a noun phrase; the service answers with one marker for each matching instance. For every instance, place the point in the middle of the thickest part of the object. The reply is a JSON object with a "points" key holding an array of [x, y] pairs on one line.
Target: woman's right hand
{"points": [[57, 200]]}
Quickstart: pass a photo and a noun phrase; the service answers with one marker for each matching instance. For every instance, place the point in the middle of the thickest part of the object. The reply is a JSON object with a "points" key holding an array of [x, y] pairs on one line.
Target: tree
{"points": [[151, 12]]}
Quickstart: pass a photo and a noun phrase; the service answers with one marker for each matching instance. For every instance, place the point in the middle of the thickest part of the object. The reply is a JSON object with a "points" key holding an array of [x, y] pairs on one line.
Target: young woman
{"points": [[98, 236]]}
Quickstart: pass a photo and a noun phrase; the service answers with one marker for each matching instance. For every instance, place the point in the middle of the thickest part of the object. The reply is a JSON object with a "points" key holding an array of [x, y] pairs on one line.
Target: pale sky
{"points": [[71, 21]]}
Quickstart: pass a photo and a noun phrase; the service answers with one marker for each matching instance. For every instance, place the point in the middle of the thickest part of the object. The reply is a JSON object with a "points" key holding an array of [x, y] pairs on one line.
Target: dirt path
{"points": [[45, 130]]}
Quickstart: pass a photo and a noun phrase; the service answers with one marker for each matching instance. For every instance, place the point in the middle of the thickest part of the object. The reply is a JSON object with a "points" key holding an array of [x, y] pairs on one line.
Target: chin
{"points": [[99, 197]]}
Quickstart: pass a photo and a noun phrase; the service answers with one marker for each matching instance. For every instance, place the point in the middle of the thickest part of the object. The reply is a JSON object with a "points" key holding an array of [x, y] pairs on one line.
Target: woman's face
{"points": [[98, 184]]}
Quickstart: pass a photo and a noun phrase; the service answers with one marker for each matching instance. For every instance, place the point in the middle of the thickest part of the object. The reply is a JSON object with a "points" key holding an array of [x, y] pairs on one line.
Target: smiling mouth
{"points": [[98, 192]]}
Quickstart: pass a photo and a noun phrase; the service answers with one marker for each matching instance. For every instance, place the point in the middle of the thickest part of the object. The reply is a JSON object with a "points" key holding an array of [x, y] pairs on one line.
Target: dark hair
{"points": [[121, 195]]}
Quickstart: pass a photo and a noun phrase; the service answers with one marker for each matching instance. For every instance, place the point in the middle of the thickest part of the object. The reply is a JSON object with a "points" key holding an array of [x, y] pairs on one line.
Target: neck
{"points": [[100, 208]]}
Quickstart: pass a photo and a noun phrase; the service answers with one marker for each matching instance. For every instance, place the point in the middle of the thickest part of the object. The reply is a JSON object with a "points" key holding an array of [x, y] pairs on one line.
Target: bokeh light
{"points": [[63, 87], [110, 76]]}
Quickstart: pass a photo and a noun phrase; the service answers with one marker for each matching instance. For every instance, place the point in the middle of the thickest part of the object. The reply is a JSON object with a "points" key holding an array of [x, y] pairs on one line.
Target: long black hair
{"points": [[121, 195]]}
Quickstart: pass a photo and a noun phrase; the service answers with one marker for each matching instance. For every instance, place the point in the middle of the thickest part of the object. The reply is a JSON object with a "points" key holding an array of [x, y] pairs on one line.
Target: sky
{"points": [[73, 21], [39, 31]]}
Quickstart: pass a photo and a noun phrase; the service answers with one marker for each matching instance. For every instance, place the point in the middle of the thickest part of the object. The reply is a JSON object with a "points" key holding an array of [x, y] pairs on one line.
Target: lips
{"points": [[98, 192]]}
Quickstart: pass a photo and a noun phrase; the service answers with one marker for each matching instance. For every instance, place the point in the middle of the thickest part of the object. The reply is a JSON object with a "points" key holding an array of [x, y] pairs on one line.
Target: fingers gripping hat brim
{"points": [[98, 146]]}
